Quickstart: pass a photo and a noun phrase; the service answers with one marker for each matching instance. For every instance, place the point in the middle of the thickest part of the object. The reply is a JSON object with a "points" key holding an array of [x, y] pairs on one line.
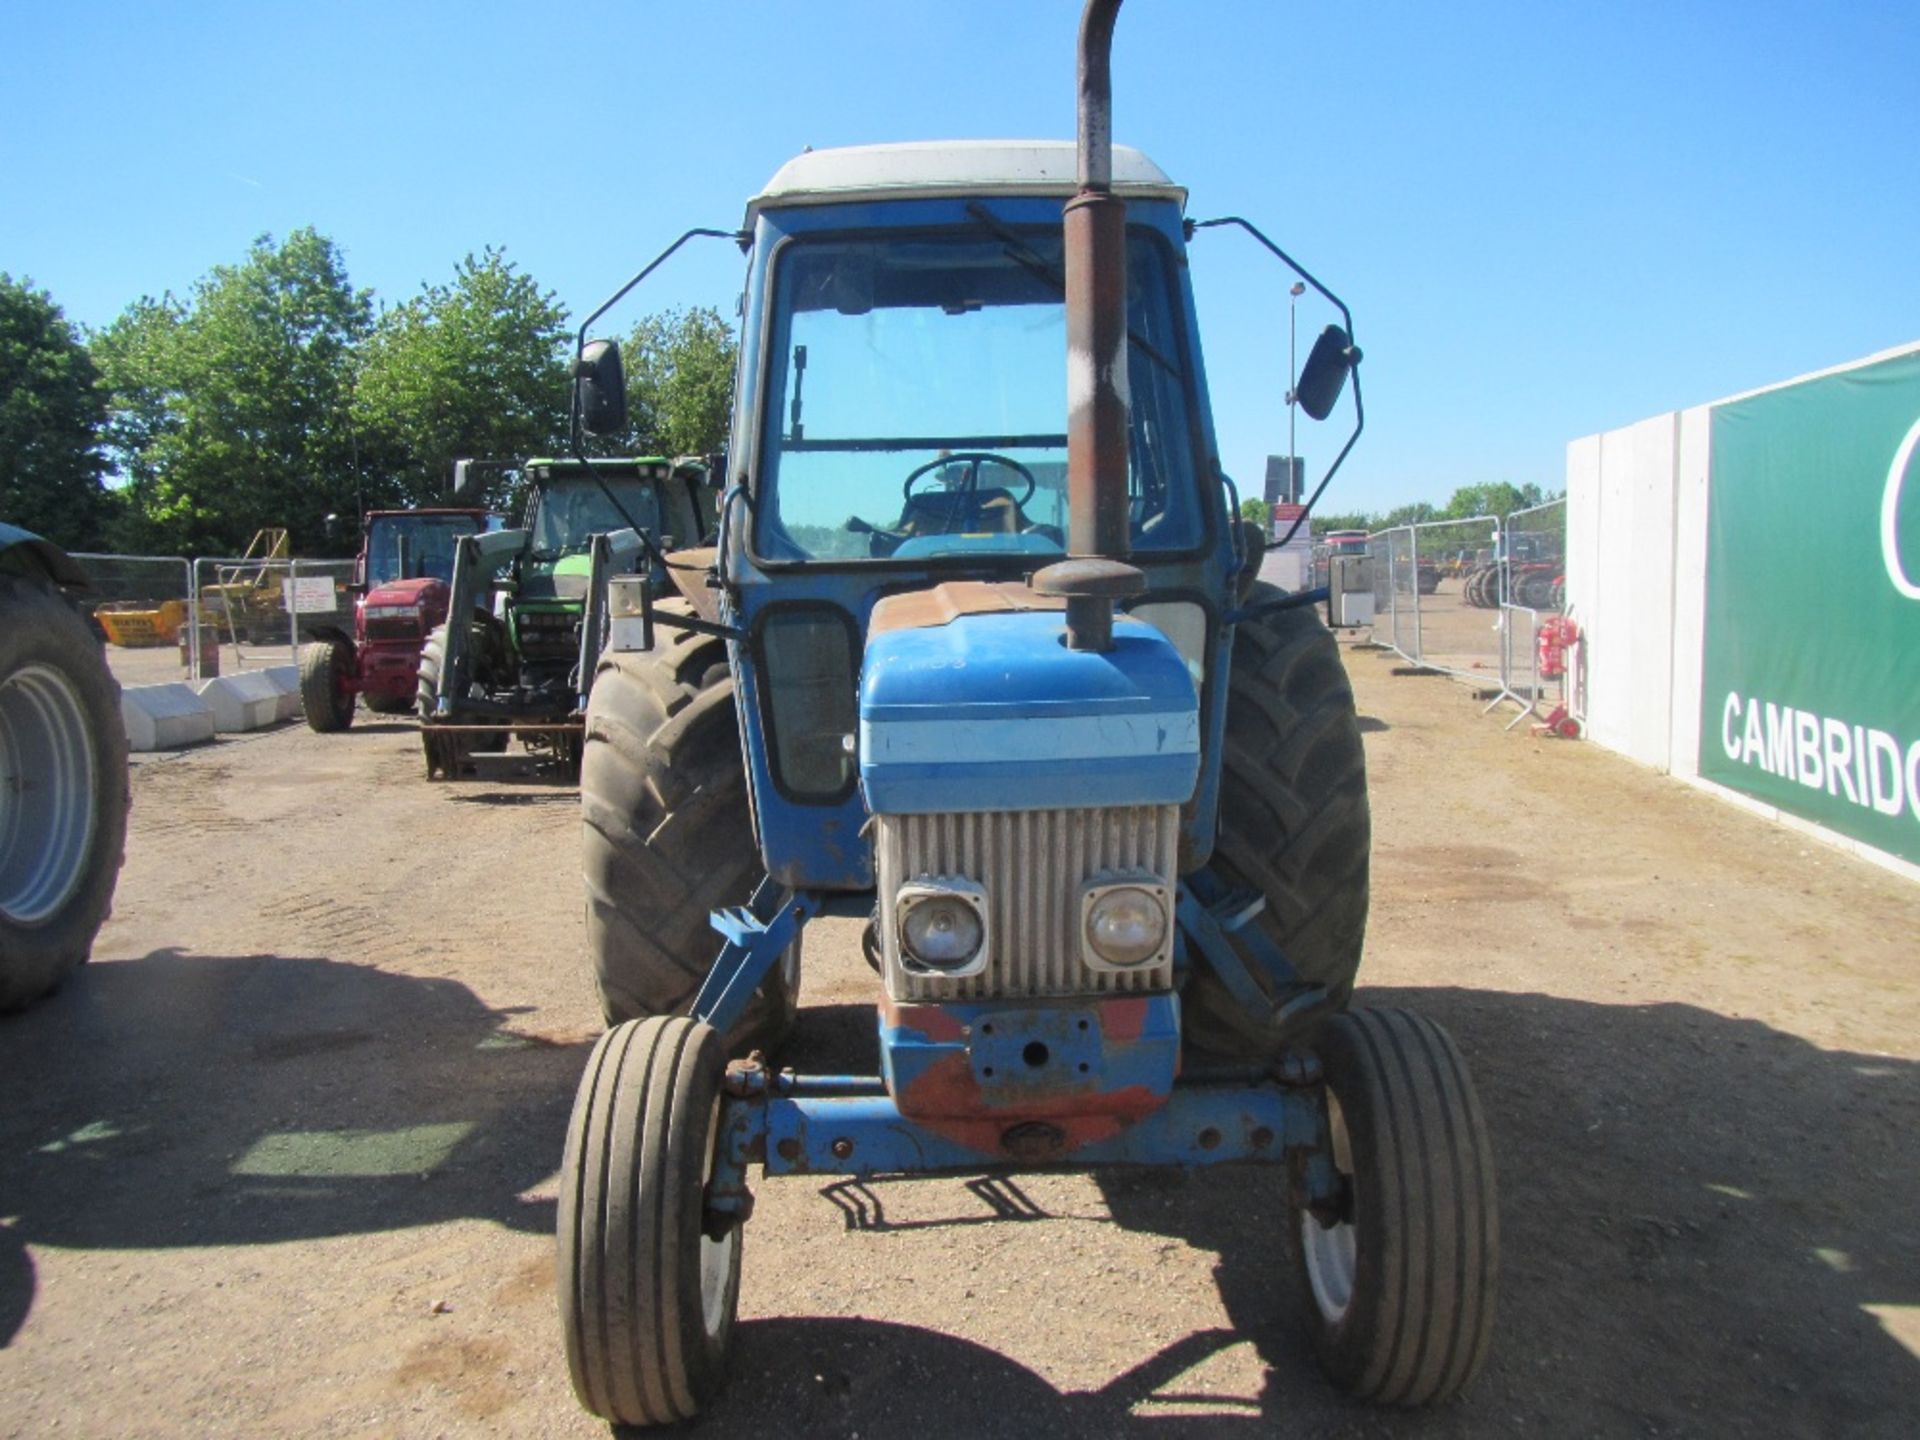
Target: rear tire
{"points": [[1400, 1289], [647, 1297], [326, 685], [1294, 819], [667, 836], [62, 832]]}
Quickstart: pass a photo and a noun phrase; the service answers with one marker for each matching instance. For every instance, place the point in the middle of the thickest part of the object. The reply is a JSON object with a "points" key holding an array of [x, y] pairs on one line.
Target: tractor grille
{"points": [[1032, 864], [394, 627]]}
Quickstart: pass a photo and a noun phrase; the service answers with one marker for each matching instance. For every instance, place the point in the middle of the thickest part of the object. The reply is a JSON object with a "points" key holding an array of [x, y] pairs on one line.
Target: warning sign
{"points": [[309, 595]]}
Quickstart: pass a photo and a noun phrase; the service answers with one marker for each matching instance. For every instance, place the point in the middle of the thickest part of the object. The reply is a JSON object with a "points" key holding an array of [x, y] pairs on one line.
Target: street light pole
{"points": [[1293, 377]]}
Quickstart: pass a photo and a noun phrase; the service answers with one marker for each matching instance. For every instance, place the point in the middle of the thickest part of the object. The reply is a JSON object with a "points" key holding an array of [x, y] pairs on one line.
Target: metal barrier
{"points": [[262, 611], [1467, 597], [141, 605]]}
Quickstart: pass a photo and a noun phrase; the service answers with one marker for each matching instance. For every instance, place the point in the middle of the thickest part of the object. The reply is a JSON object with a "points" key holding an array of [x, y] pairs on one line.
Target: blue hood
{"points": [[993, 712]]}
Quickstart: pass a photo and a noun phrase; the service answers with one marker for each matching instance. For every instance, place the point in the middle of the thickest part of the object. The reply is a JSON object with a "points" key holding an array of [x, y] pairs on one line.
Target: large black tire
{"points": [[1294, 820], [647, 1297], [667, 836], [426, 687], [326, 684], [1400, 1288], [63, 790]]}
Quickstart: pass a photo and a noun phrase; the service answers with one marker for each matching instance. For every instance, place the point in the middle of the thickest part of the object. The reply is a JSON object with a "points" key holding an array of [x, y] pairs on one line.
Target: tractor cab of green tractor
{"points": [[533, 602], [983, 663]]}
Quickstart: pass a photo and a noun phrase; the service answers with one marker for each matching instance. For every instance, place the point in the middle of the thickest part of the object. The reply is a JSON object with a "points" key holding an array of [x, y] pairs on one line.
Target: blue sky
{"points": [[1549, 218]]}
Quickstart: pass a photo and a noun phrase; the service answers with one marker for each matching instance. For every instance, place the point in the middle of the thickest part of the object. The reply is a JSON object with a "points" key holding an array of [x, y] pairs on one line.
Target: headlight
{"points": [[1125, 925], [943, 925]]}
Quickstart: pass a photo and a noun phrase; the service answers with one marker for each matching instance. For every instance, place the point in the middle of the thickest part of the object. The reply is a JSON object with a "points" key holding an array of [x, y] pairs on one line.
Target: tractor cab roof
{"points": [[644, 467], [928, 169]]}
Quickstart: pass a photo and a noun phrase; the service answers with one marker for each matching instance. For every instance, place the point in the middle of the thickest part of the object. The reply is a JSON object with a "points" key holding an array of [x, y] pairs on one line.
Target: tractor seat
{"points": [[990, 511]]}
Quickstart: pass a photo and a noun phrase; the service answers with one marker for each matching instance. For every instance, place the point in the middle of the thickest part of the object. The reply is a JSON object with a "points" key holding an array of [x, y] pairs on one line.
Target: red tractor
{"points": [[402, 577]]}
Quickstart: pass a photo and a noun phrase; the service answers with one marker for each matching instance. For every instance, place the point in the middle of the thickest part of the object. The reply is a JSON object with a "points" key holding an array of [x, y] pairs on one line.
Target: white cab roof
{"points": [[952, 167]]}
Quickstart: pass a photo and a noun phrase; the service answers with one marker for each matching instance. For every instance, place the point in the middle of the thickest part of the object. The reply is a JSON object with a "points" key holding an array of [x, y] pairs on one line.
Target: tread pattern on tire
{"points": [[319, 700], [1425, 1209], [1294, 818], [667, 837], [38, 626], [427, 682], [630, 1218]]}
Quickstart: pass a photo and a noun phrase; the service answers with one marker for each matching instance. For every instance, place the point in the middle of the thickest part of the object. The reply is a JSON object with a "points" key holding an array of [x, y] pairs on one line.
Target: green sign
{"points": [[1811, 699]]}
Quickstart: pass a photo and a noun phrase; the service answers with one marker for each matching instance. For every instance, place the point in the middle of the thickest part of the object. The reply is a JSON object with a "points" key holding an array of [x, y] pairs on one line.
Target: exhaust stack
{"points": [[1095, 574]]}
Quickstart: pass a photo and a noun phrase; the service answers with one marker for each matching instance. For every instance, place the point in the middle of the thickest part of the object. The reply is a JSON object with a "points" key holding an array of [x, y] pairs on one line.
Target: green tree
{"points": [[52, 408], [472, 369], [680, 382], [1496, 497], [230, 412], [1255, 509], [1417, 513]]}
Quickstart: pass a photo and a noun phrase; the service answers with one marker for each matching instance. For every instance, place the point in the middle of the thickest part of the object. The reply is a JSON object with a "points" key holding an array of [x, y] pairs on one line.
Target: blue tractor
{"points": [[981, 658]]}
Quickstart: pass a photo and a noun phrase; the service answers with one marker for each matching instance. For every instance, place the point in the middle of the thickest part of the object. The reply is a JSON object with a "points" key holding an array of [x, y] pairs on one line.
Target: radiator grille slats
{"points": [[1032, 863]]}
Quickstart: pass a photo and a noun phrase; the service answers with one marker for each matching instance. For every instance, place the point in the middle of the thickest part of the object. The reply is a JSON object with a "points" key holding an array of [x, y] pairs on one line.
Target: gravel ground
{"points": [[282, 1160]]}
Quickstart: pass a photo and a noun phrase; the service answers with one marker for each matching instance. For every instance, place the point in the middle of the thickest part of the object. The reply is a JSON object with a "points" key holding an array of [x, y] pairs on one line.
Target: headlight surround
{"points": [[941, 924], [1126, 923], [392, 612]]}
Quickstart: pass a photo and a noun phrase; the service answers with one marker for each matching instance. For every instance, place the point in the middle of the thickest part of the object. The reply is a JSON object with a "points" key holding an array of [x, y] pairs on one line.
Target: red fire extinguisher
{"points": [[1556, 635]]}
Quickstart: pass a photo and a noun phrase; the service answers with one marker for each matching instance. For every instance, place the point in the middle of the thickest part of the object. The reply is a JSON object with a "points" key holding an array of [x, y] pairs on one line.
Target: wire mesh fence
{"points": [[1473, 597], [139, 605], [256, 613]]}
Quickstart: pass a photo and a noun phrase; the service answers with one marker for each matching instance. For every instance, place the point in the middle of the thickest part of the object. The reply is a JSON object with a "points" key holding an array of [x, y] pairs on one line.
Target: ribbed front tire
{"points": [[647, 1296], [1400, 1290]]}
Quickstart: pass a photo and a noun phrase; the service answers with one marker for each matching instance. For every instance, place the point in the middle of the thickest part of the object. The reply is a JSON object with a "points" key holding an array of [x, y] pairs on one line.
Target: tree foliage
{"points": [[230, 410], [52, 408], [1255, 509], [472, 369], [680, 382]]}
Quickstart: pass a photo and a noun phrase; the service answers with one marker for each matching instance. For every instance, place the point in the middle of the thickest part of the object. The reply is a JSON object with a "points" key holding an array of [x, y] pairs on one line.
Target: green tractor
{"points": [[521, 662]]}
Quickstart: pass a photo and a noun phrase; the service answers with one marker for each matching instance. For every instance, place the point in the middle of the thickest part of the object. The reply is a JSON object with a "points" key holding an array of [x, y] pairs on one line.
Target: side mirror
{"points": [[600, 387], [1324, 375]]}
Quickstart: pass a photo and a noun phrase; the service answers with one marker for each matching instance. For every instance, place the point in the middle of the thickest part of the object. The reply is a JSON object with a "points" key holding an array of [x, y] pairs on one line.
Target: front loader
{"points": [[982, 663]]}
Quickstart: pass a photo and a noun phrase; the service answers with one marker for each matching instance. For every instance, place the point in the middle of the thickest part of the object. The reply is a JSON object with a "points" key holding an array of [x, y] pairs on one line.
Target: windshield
{"points": [[569, 512], [409, 547], [922, 400]]}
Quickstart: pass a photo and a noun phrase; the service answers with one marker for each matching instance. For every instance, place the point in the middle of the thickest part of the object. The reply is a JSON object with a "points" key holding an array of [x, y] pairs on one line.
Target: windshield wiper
{"points": [[1023, 255]]}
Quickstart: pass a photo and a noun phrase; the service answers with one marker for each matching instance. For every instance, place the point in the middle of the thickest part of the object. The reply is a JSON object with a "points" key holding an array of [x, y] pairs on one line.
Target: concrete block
{"points": [[246, 701], [164, 717], [285, 680]]}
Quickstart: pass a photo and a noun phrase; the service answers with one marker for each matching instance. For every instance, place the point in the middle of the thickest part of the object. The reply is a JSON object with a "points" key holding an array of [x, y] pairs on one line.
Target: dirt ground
{"points": [[282, 1160]]}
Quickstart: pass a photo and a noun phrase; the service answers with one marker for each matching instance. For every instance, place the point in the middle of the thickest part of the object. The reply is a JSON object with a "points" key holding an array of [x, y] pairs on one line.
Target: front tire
{"points": [[426, 688], [667, 836], [647, 1297], [1400, 1286], [326, 684], [63, 790], [1294, 819]]}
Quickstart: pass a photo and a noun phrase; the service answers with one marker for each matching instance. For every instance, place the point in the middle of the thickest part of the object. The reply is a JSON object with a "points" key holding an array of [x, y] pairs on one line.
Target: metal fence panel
{"points": [[140, 605], [257, 613]]}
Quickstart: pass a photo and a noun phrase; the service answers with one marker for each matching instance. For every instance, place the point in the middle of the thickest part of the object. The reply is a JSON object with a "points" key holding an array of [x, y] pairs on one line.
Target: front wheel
{"points": [[1400, 1279], [327, 684], [648, 1286]]}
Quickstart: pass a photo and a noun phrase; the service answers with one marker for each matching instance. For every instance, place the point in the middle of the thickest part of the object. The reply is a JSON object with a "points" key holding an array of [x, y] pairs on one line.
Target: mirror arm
{"points": [[1346, 315], [580, 340]]}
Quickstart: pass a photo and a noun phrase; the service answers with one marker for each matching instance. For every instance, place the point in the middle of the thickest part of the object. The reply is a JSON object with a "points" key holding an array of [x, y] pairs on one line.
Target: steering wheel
{"points": [[973, 460]]}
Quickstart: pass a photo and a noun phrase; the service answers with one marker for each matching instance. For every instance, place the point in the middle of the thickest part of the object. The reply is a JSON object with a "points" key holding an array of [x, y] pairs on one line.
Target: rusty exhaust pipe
{"points": [[1095, 575]]}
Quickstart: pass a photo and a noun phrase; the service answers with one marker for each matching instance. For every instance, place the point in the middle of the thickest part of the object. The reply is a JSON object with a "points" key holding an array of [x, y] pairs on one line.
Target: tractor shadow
{"points": [[192, 1100], [1704, 1222]]}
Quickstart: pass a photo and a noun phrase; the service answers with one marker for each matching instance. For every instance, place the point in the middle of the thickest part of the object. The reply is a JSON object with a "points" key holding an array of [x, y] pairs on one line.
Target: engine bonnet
{"points": [[994, 712]]}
